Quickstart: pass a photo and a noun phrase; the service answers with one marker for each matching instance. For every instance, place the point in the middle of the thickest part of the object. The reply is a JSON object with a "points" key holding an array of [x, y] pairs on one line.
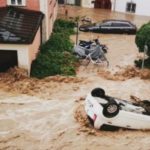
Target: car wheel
{"points": [[98, 92], [111, 109]]}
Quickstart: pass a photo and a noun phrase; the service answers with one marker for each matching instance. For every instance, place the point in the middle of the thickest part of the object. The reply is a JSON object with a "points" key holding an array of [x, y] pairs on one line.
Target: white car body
{"points": [[128, 116]]}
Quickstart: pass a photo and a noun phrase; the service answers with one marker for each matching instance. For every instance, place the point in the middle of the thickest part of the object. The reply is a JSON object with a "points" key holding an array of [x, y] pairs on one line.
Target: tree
{"points": [[142, 39]]}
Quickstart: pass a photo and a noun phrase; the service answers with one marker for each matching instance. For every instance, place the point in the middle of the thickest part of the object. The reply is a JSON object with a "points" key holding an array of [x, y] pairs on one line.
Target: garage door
{"points": [[104, 4], [7, 59]]}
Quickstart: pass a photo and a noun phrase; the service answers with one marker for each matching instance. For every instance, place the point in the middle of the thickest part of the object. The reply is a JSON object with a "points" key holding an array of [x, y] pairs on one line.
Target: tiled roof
{"points": [[19, 26]]}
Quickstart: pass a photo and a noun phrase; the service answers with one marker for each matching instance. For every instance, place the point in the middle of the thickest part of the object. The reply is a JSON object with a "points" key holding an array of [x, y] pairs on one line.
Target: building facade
{"points": [[138, 7], [21, 34]]}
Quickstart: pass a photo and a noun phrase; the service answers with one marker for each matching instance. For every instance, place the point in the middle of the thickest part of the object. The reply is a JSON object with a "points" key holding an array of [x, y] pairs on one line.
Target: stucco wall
{"points": [[34, 47], [2, 3], [142, 6], [87, 3], [33, 4], [120, 5], [70, 1], [49, 8]]}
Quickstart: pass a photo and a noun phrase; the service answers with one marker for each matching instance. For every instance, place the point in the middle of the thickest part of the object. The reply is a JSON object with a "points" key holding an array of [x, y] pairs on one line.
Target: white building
{"points": [[138, 7]]}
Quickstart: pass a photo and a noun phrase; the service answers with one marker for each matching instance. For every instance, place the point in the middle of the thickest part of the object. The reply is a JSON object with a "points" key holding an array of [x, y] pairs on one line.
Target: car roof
{"points": [[119, 21]]}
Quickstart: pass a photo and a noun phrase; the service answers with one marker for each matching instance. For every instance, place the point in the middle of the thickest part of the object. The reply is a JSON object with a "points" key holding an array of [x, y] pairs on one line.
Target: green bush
{"points": [[138, 63], [52, 63], [61, 25], [58, 42], [55, 55], [142, 38]]}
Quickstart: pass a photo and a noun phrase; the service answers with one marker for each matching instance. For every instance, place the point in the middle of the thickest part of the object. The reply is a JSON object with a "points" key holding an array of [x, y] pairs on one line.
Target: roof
{"points": [[19, 26]]}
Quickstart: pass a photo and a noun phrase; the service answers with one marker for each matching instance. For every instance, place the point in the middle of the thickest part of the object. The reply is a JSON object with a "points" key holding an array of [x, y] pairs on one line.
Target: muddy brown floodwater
{"points": [[41, 114]]}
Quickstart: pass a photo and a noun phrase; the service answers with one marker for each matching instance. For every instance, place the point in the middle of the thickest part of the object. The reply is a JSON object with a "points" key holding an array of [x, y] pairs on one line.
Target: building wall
{"points": [[34, 48], [22, 52], [142, 6], [87, 3], [2, 3], [71, 2], [33, 4], [49, 8]]}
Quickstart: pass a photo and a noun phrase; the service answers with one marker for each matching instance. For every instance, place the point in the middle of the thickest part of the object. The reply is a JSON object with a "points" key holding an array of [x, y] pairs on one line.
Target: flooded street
{"points": [[39, 114]]}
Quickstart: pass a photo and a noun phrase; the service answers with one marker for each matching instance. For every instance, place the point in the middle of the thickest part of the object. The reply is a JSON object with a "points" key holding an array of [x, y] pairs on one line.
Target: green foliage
{"points": [[58, 42], [56, 55], [64, 26], [52, 63], [138, 63], [143, 37]]}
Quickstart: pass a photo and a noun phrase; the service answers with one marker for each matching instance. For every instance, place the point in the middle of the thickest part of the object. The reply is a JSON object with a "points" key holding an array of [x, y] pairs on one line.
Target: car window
{"points": [[126, 25], [114, 24], [107, 24], [120, 24]]}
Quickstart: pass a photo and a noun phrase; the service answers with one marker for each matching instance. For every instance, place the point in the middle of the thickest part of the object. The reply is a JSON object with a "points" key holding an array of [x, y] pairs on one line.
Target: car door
{"points": [[116, 27], [126, 28], [105, 27]]}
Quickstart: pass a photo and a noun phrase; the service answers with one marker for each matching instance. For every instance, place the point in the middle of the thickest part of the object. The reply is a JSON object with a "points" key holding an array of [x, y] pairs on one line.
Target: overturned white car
{"points": [[105, 110]]}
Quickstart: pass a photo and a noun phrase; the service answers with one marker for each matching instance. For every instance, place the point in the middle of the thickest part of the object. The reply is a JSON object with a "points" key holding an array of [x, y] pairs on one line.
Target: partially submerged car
{"points": [[110, 26], [91, 51], [106, 110]]}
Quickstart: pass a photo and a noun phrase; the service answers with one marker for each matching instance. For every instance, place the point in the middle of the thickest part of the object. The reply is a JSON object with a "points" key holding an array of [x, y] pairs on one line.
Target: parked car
{"points": [[110, 111], [110, 26]]}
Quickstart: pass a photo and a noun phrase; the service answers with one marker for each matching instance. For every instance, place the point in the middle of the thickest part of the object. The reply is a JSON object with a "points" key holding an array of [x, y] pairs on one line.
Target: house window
{"points": [[16, 2], [131, 7], [13, 2]]}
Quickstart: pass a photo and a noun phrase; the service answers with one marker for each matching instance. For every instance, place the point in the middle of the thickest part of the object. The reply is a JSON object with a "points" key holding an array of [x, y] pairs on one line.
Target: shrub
{"points": [[142, 38], [138, 63], [53, 63], [58, 42], [56, 55], [61, 25]]}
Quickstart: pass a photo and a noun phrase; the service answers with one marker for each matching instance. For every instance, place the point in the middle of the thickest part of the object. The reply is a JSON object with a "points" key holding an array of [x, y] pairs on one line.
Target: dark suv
{"points": [[110, 26]]}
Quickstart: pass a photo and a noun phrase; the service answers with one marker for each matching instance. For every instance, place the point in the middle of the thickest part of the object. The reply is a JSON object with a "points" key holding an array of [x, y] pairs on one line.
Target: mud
{"points": [[125, 74], [48, 114]]}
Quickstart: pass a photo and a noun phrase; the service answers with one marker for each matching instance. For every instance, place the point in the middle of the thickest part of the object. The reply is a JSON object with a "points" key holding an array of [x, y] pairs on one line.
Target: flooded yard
{"points": [[39, 114]]}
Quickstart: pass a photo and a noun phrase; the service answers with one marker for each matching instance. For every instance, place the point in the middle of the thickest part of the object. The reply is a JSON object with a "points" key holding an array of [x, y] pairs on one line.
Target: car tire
{"points": [[110, 109], [98, 92]]}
